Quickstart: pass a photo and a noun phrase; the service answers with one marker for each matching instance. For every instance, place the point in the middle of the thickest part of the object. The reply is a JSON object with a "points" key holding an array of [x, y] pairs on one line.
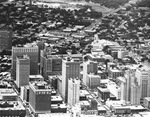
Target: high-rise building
{"points": [[52, 65], [22, 70], [89, 67], [123, 87], [73, 91], [135, 94], [39, 97], [5, 39], [129, 76], [70, 69], [143, 79], [32, 52]]}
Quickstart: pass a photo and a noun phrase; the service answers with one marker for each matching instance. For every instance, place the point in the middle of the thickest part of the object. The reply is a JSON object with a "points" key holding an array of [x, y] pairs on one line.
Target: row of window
{"points": [[43, 92]]}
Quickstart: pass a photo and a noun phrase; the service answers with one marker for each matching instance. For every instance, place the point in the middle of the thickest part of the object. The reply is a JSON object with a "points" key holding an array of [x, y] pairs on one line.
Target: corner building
{"points": [[39, 98]]}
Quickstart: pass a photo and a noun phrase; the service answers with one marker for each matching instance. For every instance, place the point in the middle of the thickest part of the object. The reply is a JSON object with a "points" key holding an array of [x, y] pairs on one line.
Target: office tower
{"points": [[93, 81], [129, 76], [73, 91], [123, 87], [135, 94], [22, 70], [5, 39], [39, 97], [143, 79], [70, 69], [52, 65], [89, 67], [32, 52], [40, 45]]}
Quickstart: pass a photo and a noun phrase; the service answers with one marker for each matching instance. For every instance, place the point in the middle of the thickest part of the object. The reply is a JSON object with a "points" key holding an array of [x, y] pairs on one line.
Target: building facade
{"points": [[32, 52], [70, 69], [39, 97], [73, 91], [22, 70]]}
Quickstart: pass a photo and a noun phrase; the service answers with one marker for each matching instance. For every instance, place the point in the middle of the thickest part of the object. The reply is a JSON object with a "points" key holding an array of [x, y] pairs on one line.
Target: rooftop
{"points": [[55, 115], [36, 76], [11, 105], [40, 85], [56, 98]]}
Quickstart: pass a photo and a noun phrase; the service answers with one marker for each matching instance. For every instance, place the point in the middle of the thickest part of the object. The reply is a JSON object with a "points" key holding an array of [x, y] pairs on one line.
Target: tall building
{"points": [[52, 65], [143, 79], [5, 39], [39, 97], [129, 76], [22, 70], [89, 67], [70, 69], [32, 52], [73, 91], [135, 94], [123, 87]]}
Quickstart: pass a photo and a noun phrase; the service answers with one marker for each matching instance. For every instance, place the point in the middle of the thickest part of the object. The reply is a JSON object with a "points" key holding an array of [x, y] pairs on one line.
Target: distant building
{"points": [[122, 53], [22, 70], [39, 97], [5, 39], [32, 52], [73, 91], [70, 69], [12, 109]]}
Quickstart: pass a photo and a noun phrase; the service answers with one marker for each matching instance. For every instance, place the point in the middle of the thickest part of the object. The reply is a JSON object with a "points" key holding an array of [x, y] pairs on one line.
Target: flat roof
{"points": [[56, 98], [103, 89], [60, 106], [36, 76], [101, 108], [16, 105], [55, 115]]}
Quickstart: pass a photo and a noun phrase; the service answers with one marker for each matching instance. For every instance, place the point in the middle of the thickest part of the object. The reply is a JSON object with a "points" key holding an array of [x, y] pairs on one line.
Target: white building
{"points": [[70, 69], [73, 91]]}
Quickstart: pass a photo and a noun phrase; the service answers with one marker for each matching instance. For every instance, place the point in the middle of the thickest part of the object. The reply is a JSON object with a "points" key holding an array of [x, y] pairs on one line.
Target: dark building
{"points": [[32, 51], [12, 109], [39, 97], [5, 39], [103, 93]]}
